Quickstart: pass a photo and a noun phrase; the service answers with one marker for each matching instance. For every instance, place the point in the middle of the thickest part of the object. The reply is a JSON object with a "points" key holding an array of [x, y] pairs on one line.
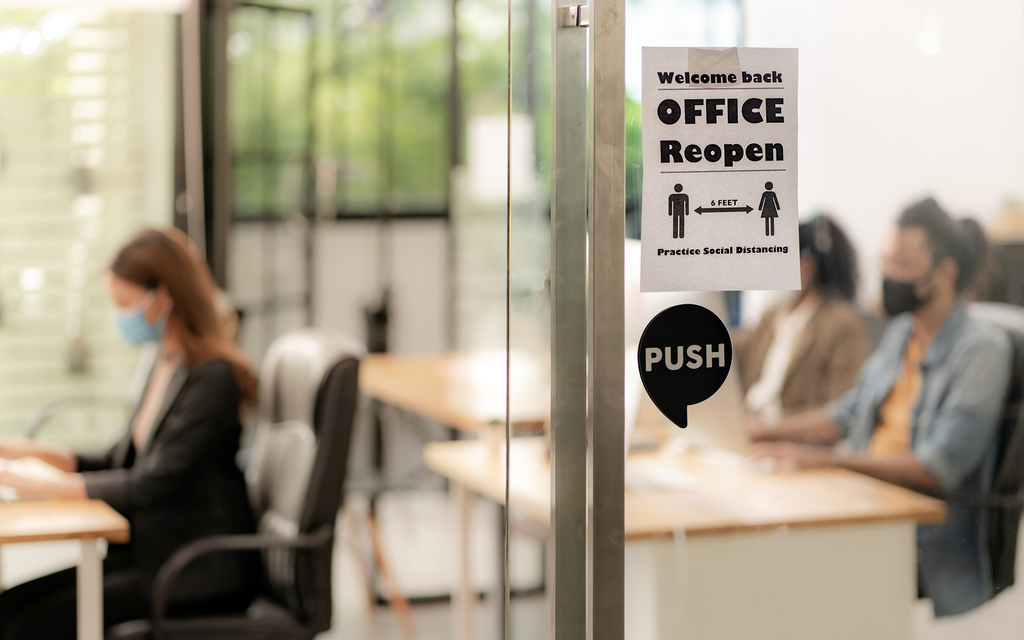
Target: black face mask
{"points": [[901, 297]]}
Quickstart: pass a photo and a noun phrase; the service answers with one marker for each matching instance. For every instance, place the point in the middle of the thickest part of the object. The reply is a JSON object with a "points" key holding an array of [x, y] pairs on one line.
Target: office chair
{"points": [[308, 393], [1005, 501]]}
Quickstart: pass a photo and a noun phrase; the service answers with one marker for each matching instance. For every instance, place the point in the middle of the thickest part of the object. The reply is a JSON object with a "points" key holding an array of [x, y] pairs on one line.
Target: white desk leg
{"points": [[462, 591], [90, 592]]}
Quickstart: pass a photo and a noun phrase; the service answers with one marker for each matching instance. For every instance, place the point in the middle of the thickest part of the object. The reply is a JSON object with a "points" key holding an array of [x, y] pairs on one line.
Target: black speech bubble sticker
{"points": [[697, 362]]}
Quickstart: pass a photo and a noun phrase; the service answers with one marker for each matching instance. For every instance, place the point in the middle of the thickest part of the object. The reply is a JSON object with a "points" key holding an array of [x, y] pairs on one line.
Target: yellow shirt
{"points": [[892, 434]]}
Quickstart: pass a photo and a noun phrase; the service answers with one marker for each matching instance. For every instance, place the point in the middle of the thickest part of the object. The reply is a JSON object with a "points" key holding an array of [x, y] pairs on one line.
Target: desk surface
{"points": [[39, 520], [464, 391], [724, 498]]}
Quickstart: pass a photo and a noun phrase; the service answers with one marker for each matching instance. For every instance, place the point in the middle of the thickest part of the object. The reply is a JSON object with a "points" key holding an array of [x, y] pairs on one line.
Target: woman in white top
{"points": [[807, 350]]}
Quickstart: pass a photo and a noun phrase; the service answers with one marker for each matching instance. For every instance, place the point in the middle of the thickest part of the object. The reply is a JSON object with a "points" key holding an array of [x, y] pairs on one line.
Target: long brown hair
{"points": [[154, 258]]}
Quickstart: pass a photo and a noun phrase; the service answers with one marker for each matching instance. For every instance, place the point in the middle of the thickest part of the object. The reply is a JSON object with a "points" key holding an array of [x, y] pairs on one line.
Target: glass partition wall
{"points": [[372, 142], [715, 587], [455, 141]]}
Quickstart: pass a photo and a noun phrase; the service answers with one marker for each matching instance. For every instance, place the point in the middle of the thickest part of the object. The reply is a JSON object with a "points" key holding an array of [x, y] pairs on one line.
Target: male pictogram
{"points": [[678, 206], [769, 209]]}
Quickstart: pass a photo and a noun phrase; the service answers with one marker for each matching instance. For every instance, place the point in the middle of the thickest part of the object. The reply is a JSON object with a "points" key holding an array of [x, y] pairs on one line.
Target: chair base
{"points": [[264, 620]]}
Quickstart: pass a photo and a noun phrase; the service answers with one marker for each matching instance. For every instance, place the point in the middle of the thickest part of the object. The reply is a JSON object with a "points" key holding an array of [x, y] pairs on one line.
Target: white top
{"points": [[152, 399], [764, 398]]}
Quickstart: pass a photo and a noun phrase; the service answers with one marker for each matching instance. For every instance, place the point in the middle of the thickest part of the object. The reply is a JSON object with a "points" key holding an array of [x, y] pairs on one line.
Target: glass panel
{"points": [[390, 120], [920, 46], [479, 228], [530, 316], [666, 23], [270, 114], [270, 86], [479, 184], [86, 141], [843, 240], [411, 255]]}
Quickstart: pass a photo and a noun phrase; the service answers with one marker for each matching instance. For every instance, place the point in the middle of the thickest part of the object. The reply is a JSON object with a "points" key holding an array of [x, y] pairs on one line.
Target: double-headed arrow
{"points": [[744, 209]]}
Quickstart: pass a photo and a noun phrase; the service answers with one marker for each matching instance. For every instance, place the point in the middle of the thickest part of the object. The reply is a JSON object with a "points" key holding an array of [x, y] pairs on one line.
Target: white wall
{"points": [[899, 100], [346, 280]]}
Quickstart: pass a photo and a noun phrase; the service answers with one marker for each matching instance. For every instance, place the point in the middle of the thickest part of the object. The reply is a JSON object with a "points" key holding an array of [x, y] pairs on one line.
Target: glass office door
{"points": [[716, 587]]}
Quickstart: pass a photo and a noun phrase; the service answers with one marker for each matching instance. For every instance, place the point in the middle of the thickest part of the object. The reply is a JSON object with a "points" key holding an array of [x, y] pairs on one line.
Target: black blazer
{"points": [[184, 485]]}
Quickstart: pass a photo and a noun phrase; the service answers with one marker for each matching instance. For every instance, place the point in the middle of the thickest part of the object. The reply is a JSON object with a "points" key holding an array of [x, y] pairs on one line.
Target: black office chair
{"points": [[1005, 502], [308, 389]]}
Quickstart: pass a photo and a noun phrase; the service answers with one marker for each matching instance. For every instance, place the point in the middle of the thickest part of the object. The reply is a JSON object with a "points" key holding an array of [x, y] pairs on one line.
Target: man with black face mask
{"points": [[926, 406]]}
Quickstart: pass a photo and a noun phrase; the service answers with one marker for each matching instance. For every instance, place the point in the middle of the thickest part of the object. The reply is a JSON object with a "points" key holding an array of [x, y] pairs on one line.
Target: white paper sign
{"points": [[720, 164]]}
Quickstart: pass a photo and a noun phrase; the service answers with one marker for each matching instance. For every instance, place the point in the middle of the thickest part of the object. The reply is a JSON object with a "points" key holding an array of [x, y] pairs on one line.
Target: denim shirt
{"points": [[965, 375]]}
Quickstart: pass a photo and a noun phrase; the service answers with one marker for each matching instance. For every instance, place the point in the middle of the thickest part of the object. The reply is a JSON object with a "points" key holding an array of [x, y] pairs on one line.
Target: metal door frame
{"points": [[588, 210]]}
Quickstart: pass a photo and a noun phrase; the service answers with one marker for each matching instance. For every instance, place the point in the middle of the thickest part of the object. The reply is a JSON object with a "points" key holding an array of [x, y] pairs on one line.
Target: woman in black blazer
{"points": [[173, 475]]}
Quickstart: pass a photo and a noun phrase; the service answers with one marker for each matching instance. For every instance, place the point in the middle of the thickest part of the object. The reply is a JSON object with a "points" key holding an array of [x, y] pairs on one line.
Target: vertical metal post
{"points": [[454, 111], [310, 195], [217, 243], [568, 548], [462, 589], [192, 124], [606, 108], [89, 591]]}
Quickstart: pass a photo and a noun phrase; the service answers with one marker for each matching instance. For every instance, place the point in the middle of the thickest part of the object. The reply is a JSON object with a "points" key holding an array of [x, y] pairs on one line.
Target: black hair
{"points": [[977, 245], [834, 256], [964, 241]]}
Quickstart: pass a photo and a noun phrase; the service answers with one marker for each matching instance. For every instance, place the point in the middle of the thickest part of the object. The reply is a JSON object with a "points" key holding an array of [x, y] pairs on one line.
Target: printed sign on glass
{"points": [[684, 357], [720, 170]]}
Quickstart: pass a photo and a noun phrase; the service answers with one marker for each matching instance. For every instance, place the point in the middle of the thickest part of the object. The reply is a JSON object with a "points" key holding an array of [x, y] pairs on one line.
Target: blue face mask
{"points": [[133, 325]]}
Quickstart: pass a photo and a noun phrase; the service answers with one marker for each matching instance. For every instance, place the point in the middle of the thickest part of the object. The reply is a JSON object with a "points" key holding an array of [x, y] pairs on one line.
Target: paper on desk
{"points": [[655, 474], [33, 468], [478, 384]]}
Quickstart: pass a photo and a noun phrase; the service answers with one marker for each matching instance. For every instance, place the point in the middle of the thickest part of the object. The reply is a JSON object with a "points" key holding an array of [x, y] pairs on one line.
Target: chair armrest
{"points": [[181, 558], [46, 410]]}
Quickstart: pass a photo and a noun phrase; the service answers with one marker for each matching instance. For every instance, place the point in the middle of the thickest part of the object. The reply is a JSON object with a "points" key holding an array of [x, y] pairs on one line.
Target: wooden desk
{"points": [[802, 555], [809, 554], [83, 520], [465, 391]]}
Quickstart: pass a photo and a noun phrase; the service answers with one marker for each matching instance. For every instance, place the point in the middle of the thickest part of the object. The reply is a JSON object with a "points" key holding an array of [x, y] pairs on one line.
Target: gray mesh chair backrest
{"points": [[284, 462], [308, 388]]}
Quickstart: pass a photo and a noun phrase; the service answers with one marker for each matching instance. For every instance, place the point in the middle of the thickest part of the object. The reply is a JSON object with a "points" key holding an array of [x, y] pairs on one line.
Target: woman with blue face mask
{"points": [[173, 474], [133, 324]]}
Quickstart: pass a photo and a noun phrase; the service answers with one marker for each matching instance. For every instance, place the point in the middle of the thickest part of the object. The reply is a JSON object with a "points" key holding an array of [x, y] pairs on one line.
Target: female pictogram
{"points": [[769, 209]]}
